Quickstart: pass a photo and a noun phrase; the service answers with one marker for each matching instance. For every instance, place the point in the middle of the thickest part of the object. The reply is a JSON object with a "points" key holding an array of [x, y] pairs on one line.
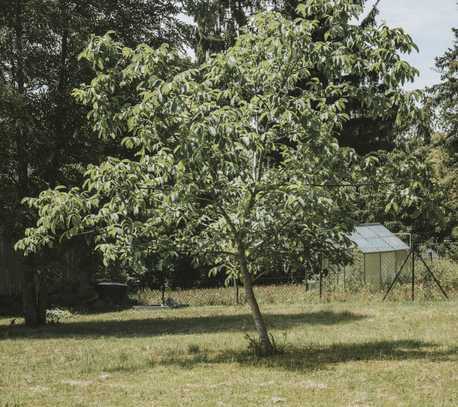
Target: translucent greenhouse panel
{"points": [[366, 232], [373, 270], [376, 238], [395, 243]]}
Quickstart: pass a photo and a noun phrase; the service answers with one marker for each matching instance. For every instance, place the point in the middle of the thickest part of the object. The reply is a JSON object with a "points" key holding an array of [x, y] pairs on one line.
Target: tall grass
{"points": [[337, 286], [296, 294]]}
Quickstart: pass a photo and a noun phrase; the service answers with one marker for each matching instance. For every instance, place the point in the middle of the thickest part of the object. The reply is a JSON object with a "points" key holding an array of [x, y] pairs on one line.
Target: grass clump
{"points": [[193, 348]]}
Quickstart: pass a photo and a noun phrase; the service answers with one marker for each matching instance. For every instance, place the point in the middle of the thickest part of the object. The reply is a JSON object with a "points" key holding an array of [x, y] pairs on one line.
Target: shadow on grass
{"points": [[294, 358], [173, 326], [320, 357]]}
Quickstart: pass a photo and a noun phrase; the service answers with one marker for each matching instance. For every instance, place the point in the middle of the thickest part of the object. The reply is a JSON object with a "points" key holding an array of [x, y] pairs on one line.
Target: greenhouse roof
{"points": [[376, 238]]}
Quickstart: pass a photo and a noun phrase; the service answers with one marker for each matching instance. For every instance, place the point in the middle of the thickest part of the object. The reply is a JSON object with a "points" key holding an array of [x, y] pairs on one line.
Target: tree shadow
{"points": [[322, 357], [158, 325]]}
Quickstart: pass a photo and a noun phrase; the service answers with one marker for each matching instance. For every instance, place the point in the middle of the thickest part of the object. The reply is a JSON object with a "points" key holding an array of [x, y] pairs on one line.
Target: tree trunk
{"points": [[59, 115], [85, 270], [266, 345], [29, 297], [21, 142], [29, 294], [42, 298], [34, 296]]}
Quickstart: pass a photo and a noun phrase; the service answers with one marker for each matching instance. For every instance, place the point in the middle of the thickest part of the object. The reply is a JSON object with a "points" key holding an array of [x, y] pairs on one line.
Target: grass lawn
{"points": [[336, 354]]}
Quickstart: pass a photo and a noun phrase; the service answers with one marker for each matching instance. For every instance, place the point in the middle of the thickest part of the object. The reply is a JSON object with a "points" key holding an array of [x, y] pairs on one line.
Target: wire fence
{"points": [[432, 268], [272, 289]]}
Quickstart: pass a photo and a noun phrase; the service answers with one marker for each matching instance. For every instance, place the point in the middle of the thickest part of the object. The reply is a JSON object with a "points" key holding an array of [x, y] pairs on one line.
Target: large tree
{"points": [[445, 97], [45, 139], [443, 108], [372, 124], [236, 161], [43, 130]]}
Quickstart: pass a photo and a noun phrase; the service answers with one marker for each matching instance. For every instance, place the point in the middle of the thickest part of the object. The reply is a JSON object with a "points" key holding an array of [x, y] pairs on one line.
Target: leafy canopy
{"points": [[445, 97], [235, 161]]}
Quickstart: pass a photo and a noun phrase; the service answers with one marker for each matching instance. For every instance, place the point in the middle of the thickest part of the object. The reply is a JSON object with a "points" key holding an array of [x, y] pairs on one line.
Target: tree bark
{"points": [[42, 298], [34, 296], [21, 153], [60, 138], [266, 344], [31, 310], [62, 84], [29, 297]]}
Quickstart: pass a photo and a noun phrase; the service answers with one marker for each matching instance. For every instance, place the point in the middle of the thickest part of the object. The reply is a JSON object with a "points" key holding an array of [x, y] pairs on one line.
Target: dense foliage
{"points": [[445, 98], [371, 126], [236, 161], [443, 109], [44, 136], [45, 140]]}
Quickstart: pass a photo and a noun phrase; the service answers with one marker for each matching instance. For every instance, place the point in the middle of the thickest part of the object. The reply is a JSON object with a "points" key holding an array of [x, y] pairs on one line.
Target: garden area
{"points": [[226, 203]]}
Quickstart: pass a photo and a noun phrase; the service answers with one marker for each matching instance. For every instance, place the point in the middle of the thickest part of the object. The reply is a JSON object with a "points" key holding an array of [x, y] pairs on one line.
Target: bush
{"points": [[56, 315]]}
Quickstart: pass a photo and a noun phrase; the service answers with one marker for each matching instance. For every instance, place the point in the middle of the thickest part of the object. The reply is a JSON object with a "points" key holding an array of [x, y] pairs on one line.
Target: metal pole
{"points": [[321, 278], [413, 275], [345, 278], [236, 286], [321, 284]]}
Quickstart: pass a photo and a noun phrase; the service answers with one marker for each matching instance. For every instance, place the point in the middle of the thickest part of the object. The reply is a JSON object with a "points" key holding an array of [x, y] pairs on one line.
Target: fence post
{"points": [[413, 274], [344, 278], [236, 286], [163, 294], [321, 277], [306, 280]]}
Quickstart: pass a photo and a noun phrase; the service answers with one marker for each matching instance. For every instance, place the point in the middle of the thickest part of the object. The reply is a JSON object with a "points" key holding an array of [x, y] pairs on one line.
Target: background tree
{"points": [[42, 126], [45, 139], [372, 125], [236, 160], [402, 188], [443, 110], [445, 98]]}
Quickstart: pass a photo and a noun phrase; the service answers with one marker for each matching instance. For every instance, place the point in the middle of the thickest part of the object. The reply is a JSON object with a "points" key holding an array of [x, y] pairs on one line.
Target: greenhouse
{"points": [[377, 257], [383, 253]]}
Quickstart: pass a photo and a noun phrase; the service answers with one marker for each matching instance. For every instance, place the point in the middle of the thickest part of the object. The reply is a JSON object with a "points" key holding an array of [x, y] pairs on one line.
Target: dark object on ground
{"points": [[112, 293], [154, 306], [168, 303]]}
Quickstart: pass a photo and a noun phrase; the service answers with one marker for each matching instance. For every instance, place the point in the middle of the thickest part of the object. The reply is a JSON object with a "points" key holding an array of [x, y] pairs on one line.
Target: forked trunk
{"points": [[266, 344]]}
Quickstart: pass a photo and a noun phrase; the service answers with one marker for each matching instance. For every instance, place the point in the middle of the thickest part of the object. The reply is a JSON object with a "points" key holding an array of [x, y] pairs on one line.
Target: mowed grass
{"points": [[335, 354]]}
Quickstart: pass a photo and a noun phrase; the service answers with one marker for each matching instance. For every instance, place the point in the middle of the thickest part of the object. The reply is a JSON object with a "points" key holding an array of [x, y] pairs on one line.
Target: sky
{"points": [[430, 23]]}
